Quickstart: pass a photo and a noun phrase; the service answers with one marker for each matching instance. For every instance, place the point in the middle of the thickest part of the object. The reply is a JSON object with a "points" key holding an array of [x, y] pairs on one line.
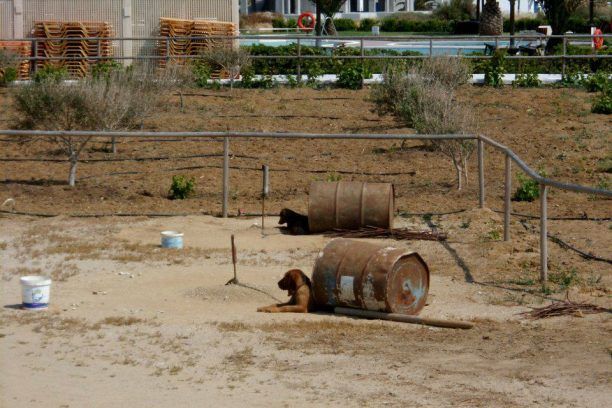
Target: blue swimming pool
{"points": [[438, 47]]}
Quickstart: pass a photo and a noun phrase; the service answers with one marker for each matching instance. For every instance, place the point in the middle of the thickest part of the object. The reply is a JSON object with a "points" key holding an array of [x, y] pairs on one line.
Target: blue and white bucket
{"points": [[171, 239], [35, 292]]}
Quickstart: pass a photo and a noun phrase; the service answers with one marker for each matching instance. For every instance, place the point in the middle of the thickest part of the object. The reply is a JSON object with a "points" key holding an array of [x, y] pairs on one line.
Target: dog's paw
{"points": [[263, 309]]}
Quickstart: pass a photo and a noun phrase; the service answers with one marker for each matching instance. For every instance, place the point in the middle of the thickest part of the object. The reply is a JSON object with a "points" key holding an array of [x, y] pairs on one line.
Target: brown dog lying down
{"points": [[300, 289], [297, 224]]}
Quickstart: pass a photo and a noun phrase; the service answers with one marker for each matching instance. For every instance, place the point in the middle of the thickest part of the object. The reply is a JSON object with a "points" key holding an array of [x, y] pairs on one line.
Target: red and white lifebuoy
{"points": [[307, 25], [598, 40]]}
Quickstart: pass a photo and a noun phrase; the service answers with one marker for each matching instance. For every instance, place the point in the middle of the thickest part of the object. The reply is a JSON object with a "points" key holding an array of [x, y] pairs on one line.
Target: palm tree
{"points": [[329, 8], [491, 19]]}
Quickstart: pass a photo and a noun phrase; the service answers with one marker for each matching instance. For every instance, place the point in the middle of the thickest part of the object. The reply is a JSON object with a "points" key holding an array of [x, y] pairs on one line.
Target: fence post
{"points": [[35, 60], [299, 61], [430, 47], [481, 186], [563, 56], [507, 202], [543, 234], [225, 176], [167, 51], [362, 53]]}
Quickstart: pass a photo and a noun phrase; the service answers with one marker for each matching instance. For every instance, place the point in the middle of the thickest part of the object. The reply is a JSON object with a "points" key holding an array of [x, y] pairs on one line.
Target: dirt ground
{"points": [[551, 129], [133, 324]]}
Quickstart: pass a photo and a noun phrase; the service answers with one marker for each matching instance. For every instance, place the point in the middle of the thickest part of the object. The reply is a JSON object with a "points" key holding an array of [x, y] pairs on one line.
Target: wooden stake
{"points": [[235, 279], [265, 189], [263, 212]]}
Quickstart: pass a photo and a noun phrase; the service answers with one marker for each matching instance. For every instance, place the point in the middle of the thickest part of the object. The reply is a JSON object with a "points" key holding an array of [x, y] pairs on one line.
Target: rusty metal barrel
{"points": [[349, 205], [372, 277]]}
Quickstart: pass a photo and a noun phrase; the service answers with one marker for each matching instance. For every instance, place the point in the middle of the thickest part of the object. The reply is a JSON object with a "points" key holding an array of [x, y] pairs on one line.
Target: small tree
{"points": [[118, 101], [233, 61], [423, 97]]}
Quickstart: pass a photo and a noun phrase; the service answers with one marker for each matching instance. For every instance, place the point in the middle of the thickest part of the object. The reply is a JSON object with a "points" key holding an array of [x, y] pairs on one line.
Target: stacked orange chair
{"points": [[174, 48], [76, 49]]}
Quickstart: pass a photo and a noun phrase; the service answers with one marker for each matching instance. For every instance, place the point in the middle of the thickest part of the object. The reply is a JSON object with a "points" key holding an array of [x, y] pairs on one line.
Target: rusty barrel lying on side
{"points": [[349, 205], [368, 276]]}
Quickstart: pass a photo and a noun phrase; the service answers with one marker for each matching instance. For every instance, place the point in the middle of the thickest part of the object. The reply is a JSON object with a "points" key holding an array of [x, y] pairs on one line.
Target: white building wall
{"points": [[130, 18], [6, 18]]}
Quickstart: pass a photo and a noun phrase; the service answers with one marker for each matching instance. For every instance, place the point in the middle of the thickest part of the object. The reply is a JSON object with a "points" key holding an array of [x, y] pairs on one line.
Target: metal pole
{"points": [[430, 47], [299, 61], [481, 186], [264, 193], [35, 60], [225, 175], [507, 202], [362, 54], [543, 235], [563, 57], [167, 50]]}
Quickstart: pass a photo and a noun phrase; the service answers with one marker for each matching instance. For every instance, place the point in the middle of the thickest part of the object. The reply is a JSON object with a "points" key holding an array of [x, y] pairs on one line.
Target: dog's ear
{"points": [[306, 279], [283, 216]]}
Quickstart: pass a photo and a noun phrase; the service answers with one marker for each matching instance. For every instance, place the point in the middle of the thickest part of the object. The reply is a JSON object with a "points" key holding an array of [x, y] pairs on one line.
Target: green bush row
{"points": [[576, 23], [285, 66]]}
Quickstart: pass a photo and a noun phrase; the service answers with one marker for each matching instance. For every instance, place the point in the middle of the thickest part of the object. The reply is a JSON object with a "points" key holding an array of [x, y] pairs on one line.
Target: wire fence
{"points": [[527, 47], [544, 183]]}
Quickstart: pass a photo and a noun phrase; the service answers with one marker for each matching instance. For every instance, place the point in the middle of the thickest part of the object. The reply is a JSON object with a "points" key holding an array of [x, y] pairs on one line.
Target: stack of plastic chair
{"points": [[68, 40], [199, 42], [173, 46], [23, 49]]}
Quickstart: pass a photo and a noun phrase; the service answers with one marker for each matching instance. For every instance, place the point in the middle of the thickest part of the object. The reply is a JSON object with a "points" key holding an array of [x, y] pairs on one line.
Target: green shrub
{"points": [[352, 77], [181, 187], [494, 69], [201, 72], [345, 24], [603, 103], [104, 69], [528, 189], [527, 80], [50, 73], [9, 62], [565, 279], [366, 24], [278, 22], [7, 75], [457, 10], [396, 24], [597, 82]]}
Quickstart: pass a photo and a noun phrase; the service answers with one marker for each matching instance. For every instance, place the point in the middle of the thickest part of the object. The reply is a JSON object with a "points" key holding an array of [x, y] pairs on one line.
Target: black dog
{"points": [[297, 224]]}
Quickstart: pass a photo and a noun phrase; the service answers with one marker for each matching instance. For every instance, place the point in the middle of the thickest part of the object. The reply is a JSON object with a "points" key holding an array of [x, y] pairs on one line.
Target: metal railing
{"points": [[362, 43], [481, 140]]}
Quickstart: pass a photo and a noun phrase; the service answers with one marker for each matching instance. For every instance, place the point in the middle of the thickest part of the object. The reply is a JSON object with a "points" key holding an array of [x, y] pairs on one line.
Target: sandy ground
{"points": [[132, 324]]}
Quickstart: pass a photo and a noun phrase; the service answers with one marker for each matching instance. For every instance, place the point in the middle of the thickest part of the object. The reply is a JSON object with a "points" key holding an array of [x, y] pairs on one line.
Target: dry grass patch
{"points": [[120, 321]]}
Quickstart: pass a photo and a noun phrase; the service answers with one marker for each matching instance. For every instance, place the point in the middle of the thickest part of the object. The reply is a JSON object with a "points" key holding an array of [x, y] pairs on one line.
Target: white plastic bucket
{"points": [[35, 292], [171, 239]]}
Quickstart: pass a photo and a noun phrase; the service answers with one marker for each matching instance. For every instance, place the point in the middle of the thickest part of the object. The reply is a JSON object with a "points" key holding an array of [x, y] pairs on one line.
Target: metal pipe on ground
{"points": [[396, 317]]}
